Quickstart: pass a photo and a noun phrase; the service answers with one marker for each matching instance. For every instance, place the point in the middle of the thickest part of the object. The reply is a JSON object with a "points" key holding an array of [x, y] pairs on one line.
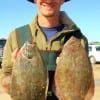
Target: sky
{"points": [[85, 14]]}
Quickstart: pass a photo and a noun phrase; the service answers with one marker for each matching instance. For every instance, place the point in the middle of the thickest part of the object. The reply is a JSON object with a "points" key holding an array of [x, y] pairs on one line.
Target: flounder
{"points": [[29, 75], [73, 73]]}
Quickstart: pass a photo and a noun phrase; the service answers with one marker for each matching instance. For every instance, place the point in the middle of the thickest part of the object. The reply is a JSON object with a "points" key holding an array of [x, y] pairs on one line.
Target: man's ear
{"points": [[62, 1], [34, 1]]}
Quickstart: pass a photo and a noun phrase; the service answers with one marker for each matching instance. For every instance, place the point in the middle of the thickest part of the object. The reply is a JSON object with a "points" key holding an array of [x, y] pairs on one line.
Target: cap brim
{"points": [[33, 1]]}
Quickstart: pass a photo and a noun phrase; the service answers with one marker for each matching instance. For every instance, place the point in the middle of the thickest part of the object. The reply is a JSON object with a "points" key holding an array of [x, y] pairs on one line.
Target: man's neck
{"points": [[48, 21]]}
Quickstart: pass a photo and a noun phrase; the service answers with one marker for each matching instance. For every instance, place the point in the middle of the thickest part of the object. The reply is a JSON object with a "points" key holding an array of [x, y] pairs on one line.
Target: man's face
{"points": [[49, 8]]}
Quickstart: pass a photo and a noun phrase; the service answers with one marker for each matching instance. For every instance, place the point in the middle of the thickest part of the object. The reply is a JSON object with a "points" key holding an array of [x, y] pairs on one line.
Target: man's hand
{"points": [[57, 60], [6, 82], [14, 55]]}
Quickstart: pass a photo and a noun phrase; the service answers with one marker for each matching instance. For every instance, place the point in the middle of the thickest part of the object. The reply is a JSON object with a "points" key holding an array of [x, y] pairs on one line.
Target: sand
{"points": [[96, 71]]}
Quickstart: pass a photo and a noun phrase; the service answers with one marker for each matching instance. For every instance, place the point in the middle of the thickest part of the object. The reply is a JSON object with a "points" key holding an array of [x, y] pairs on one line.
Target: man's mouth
{"points": [[48, 6]]}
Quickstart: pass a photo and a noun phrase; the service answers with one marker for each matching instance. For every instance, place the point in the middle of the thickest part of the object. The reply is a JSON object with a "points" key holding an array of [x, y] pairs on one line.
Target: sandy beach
{"points": [[96, 71]]}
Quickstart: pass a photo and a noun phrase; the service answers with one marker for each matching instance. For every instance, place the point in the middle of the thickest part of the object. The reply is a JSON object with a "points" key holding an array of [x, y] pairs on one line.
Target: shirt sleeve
{"points": [[10, 46]]}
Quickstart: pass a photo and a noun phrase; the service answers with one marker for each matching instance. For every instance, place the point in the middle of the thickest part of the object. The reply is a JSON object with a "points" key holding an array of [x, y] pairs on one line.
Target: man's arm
{"points": [[7, 62]]}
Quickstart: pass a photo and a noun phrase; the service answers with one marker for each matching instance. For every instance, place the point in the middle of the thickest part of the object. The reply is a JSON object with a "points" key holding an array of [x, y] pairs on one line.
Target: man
{"points": [[50, 29]]}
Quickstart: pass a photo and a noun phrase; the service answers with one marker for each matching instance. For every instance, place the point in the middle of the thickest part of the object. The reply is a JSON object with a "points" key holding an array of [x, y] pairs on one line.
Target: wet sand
{"points": [[96, 71]]}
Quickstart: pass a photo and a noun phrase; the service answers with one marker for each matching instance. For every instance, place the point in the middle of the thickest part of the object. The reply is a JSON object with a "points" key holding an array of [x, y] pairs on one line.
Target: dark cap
{"points": [[33, 1]]}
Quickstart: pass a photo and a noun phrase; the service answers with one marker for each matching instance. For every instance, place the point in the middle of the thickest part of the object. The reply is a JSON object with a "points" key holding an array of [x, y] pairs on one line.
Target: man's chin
{"points": [[49, 14]]}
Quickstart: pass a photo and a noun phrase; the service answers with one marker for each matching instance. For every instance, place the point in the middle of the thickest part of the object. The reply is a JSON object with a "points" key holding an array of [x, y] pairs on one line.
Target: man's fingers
{"points": [[5, 83], [14, 55], [57, 60]]}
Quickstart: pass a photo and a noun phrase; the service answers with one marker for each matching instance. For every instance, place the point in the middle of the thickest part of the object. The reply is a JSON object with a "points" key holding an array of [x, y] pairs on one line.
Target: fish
{"points": [[29, 74], [73, 74]]}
